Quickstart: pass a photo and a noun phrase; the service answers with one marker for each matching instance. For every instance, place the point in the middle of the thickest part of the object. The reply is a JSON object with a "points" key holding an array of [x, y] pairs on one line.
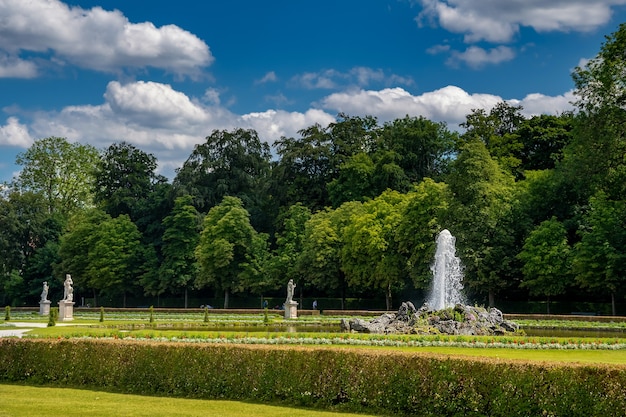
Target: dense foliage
{"points": [[351, 209]]}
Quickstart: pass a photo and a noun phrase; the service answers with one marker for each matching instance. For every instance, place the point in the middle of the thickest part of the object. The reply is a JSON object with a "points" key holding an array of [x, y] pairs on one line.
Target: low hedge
{"points": [[359, 380]]}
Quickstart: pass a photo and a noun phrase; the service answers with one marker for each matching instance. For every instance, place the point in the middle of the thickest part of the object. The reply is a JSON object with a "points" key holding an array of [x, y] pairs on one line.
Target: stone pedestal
{"points": [[66, 310], [291, 310], [44, 308]]}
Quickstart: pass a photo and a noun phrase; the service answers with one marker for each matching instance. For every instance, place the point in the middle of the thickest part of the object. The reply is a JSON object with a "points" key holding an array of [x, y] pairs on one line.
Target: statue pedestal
{"points": [[44, 308], [291, 310], [66, 310]]}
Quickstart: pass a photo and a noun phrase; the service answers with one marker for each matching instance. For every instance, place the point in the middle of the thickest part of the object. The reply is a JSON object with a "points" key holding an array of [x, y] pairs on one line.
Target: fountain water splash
{"points": [[447, 272]]}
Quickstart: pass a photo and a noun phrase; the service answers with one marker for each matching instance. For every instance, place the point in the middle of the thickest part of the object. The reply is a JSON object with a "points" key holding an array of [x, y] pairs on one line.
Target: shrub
{"points": [[52, 316], [101, 314], [7, 313], [376, 382]]}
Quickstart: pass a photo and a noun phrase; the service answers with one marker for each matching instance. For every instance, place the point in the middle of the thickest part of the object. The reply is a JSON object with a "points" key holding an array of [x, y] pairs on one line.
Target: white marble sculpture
{"points": [[44, 292], [68, 292]]}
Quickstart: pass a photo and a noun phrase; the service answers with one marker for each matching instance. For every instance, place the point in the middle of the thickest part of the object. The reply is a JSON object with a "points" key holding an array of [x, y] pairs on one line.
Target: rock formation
{"points": [[460, 320]]}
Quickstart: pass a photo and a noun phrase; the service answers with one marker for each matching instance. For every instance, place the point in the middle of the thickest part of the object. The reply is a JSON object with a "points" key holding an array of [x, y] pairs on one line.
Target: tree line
{"points": [[537, 205]]}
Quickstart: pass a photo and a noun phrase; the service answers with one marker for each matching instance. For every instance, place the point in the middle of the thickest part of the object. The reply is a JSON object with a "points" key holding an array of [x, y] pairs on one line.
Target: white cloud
{"points": [[97, 39], [449, 104], [357, 76], [270, 77], [15, 134], [14, 67], [476, 57], [499, 21], [168, 123]]}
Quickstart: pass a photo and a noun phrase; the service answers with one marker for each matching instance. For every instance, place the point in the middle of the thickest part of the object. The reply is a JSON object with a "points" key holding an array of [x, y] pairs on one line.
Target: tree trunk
{"points": [[95, 300], [186, 297], [492, 298], [614, 312], [388, 297], [226, 295], [548, 305], [124, 299]]}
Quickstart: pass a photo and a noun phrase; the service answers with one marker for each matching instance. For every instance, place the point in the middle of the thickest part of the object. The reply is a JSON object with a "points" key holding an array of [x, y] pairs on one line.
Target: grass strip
{"points": [[25, 401]]}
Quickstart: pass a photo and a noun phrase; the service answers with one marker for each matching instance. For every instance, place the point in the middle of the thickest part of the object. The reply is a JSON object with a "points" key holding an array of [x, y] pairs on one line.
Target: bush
{"points": [[382, 382], [7, 313], [52, 316]]}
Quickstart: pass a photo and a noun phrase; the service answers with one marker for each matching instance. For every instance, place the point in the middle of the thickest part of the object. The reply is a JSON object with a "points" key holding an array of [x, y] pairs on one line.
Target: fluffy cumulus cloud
{"points": [[449, 104], [168, 123], [499, 21], [95, 38], [156, 118]]}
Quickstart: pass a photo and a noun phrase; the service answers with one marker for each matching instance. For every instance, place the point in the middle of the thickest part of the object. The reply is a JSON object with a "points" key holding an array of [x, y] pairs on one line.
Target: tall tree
{"points": [[304, 168], [370, 255], [289, 244], [546, 261], [115, 261], [180, 239], [423, 148], [228, 249], [478, 217], [230, 163], [420, 223], [600, 257], [596, 154], [61, 171], [125, 177]]}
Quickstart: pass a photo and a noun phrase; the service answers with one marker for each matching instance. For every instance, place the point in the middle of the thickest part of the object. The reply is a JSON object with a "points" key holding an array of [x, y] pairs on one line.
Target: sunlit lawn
{"points": [[24, 401]]}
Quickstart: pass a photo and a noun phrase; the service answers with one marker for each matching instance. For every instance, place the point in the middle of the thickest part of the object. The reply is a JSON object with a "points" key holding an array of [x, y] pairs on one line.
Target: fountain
{"points": [[445, 311], [447, 274]]}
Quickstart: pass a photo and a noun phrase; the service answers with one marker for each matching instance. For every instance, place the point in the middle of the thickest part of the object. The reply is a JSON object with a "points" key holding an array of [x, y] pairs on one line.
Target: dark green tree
{"points": [[546, 261], [599, 260], [234, 163], [479, 218], [180, 239]]}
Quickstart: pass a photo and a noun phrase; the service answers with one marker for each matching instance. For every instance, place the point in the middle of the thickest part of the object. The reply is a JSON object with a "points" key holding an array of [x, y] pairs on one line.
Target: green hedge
{"points": [[373, 381]]}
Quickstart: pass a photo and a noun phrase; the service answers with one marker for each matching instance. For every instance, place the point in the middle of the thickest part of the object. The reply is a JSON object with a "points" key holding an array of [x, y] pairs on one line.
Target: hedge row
{"points": [[358, 380]]}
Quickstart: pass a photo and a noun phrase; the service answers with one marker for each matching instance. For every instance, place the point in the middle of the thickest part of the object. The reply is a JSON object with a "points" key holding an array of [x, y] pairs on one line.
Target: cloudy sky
{"points": [[163, 75]]}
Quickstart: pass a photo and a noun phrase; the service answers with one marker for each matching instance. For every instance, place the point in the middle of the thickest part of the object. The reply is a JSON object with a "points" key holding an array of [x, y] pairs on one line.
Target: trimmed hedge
{"points": [[366, 380]]}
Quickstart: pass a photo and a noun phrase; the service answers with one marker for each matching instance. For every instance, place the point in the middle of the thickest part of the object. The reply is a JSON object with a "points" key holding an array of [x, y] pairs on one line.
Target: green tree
{"points": [[61, 171], [422, 148], [75, 245], [420, 223], [229, 249], [304, 169], [596, 155], [182, 234], [115, 261], [498, 131], [599, 260], [232, 163], [124, 177], [370, 255], [479, 218], [546, 261], [289, 245]]}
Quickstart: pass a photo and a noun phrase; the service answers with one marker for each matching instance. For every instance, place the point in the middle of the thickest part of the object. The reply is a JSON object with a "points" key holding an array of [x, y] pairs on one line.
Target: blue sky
{"points": [[163, 75]]}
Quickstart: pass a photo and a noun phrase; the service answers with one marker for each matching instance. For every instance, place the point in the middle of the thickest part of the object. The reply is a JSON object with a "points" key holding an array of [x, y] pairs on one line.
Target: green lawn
{"points": [[24, 401]]}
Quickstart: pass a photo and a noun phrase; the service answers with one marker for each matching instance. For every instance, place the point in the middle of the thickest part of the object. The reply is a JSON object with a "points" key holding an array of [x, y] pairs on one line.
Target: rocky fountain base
{"points": [[459, 320]]}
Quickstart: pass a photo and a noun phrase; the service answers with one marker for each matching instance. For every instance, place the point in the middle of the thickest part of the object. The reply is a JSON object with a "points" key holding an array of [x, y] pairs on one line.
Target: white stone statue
{"points": [[68, 292], [44, 292], [290, 287]]}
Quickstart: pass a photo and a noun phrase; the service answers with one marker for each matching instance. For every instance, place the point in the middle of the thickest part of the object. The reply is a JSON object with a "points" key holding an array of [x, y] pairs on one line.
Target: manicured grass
{"points": [[24, 401]]}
